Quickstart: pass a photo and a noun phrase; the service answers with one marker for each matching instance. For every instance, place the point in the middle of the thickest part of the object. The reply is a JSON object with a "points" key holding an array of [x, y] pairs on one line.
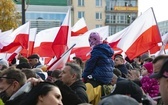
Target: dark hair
{"points": [[33, 56], [118, 55], [56, 73], [41, 89], [23, 65], [78, 60], [160, 57], [117, 72], [149, 59], [127, 87], [29, 73], [15, 75], [23, 60]]}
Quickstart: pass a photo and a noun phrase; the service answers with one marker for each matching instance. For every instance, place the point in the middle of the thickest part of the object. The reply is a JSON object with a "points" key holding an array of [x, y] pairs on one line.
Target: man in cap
{"points": [[34, 60]]}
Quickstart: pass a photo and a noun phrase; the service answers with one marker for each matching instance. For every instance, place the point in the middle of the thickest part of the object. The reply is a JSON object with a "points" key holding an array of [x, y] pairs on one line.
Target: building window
{"points": [[80, 2], [98, 25], [98, 3], [98, 15], [81, 14], [112, 30]]}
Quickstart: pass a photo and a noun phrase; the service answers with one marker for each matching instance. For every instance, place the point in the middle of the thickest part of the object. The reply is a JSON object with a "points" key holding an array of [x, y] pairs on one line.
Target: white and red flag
{"points": [[82, 48], [43, 42], [19, 37], [142, 35], [61, 43], [4, 35], [32, 38], [79, 28], [114, 39]]}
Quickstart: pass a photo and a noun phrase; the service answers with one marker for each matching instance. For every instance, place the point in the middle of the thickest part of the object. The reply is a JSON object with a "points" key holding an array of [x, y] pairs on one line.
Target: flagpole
{"points": [[60, 57], [158, 28], [164, 47]]}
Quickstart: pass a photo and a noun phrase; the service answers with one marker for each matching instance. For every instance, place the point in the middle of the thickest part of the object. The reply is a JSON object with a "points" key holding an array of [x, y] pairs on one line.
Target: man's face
{"points": [[118, 61], [4, 86], [157, 66], [66, 77], [163, 87], [33, 61]]}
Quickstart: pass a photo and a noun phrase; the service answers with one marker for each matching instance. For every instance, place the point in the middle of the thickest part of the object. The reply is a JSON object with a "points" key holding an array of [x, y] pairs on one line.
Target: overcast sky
{"points": [[160, 8]]}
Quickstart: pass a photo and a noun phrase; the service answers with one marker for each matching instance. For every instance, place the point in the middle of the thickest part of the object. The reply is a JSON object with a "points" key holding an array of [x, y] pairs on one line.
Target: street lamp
{"points": [[23, 11]]}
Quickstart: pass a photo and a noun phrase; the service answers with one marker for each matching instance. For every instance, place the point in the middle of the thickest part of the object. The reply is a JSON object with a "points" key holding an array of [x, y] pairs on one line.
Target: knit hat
{"points": [[149, 67], [95, 39]]}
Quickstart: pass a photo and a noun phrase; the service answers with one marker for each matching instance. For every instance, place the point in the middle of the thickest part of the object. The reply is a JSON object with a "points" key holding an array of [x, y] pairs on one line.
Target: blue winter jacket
{"points": [[100, 65]]}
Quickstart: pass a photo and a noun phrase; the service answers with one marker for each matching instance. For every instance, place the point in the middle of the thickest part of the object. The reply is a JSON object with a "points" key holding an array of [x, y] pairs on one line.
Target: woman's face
{"points": [[53, 97]]}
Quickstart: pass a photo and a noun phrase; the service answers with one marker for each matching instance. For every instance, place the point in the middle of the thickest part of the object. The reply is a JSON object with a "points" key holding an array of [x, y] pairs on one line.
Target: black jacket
{"points": [[69, 97], [16, 101], [123, 69], [80, 89]]}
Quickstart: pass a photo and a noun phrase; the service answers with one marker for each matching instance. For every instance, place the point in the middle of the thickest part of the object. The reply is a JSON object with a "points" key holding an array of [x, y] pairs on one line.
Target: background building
{"points": [[45, 14], [163, 27], [117, 14], [92, 10], [120, 14]]}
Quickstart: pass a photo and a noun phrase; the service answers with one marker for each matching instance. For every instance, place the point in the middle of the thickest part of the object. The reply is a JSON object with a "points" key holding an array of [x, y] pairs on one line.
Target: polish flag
{"points": [[18, 37], [61, 43], [32, 38], [29, 51], [14, 54], [114, 39], [79, 28], [163, 45], [4, 35], [43, 42], [60, 62], [82, 48], [11, 56], [142, 35]]}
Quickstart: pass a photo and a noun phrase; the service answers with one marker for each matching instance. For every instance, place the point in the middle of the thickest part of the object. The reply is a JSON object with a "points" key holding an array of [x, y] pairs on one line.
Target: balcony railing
{"points": [[122, 8]]}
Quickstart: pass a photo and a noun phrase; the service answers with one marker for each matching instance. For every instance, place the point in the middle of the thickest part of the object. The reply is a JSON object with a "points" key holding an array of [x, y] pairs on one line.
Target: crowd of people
{"points": [[104, 79]]}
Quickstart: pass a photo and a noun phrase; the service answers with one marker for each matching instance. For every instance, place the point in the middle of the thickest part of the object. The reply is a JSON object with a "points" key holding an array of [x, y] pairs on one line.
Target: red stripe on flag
{"points": [[79, 32], [59, 45], [21, 39], [44, 50], [147, 40]]}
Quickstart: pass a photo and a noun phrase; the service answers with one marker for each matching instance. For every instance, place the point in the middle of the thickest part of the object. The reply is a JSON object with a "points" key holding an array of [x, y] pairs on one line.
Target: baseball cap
{"points": [[163, 71]]}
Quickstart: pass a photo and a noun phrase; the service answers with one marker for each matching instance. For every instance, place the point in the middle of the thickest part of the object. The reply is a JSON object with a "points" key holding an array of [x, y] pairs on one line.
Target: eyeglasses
{"points": [[6, 78]]}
